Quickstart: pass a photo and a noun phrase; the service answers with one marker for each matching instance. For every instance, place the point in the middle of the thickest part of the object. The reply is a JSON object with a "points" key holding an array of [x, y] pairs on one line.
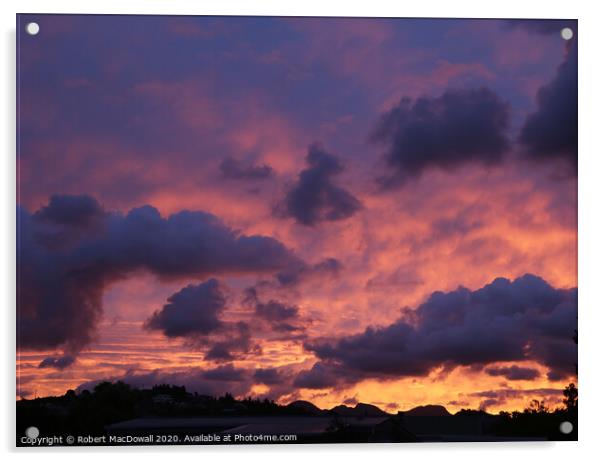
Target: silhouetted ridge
{"points": [[361, 409], [305, 406], [428, 410], [117, 408]]}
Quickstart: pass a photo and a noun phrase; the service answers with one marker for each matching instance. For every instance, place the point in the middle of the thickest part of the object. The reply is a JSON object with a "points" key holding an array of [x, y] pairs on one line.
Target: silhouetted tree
{"points": [[570, 397], [537, 407]]}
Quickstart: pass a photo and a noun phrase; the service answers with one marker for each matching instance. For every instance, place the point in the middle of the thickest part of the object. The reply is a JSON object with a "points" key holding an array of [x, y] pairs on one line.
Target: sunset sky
{"points": [[328, 209]]}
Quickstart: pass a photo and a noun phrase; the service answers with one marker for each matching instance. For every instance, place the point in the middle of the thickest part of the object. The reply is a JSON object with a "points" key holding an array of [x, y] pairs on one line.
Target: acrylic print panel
{"points": [[287, 230]]}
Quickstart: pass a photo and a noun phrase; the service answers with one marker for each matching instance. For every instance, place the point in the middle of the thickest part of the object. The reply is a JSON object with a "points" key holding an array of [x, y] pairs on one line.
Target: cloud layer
{"points": [[524, 319], [71, 250]]}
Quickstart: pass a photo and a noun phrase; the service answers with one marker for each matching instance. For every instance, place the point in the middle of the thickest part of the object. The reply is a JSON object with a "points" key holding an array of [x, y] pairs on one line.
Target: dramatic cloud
{"points": [[456, 128], [319, 376], [195, 315], [57, 362], [192, 310], [71, 250], [513, 373], [524, 319], [315, 197], [232, 168], [72, 211], [178, 137], [551, 131]]}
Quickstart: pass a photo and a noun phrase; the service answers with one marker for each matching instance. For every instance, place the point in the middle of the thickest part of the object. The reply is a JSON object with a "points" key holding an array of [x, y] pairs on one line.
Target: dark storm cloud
{"points": [[192, 310], [513, 373], [551, 131], [57, 362], [454, 129], [71, 211], [232, 168], [524, 319], [319, 376], [189, 243], [62, 273], [315, 197], [68, 218]]}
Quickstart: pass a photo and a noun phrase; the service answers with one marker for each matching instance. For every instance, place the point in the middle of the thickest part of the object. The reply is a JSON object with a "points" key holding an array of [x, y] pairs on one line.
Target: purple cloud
{"points": [[456, 128], [314, 197], [513, 373], [524, 319], [71, 250], [57, 362], [191, 311], [551, 131], [232, 168]]}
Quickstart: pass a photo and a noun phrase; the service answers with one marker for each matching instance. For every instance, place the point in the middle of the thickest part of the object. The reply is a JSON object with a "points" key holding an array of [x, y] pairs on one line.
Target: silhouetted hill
{"points": [[428, 410], [361, 409], [305, 406], [91, 412], [470, 412]]}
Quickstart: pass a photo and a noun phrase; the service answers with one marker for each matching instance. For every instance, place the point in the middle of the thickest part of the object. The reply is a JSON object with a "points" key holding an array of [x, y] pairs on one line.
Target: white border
{"points": [[424, 8], [590, 221]]}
